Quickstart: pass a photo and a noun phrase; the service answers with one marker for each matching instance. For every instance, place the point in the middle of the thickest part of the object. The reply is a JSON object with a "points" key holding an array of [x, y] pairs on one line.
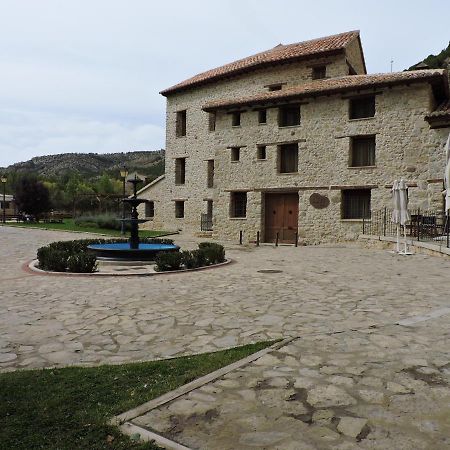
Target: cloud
{"points": [[33, 133]]}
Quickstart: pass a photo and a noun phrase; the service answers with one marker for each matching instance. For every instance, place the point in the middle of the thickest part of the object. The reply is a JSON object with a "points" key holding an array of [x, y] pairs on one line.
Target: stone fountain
{"points": [[133, 250]]}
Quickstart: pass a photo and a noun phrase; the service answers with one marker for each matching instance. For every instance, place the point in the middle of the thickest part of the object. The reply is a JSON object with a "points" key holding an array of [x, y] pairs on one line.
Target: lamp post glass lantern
{"points": [[123, 174], [4, 180]]}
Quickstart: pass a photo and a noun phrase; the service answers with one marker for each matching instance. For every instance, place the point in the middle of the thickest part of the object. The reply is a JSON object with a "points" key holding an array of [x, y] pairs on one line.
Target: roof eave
{"points": [[324, 92], [176, 89]]}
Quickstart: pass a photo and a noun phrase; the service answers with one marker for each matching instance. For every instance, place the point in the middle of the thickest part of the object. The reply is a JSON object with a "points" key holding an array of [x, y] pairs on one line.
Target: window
{"points": [[289, 116], [362, 151], [149, 209], [262, 116], [236, 119], [235, 153], [179, 209], [319, 72], [238, 204], [181, 123], [180, 170], [210, 173], [275, 87], [356, 203], [209, 208], [288, 158], [363, 107], [261, 152], [212, 121]]}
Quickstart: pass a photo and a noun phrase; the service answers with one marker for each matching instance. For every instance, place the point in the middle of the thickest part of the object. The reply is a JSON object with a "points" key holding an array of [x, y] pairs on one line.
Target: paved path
{"points": [[55, 321], [352, 378], [378, 388]]}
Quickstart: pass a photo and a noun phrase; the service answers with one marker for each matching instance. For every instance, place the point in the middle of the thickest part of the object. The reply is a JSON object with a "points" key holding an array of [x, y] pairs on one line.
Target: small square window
{"points": [[179, 209], [288, 158], [181, 123], [319, 72], [362, 151], [289, 116], [261, 152], [180, 170], [210, 173], [150, 209], [238, 204], [212, 121], [275, 87], [361, 108], [262, 116], [356, 203], [236, 119], [235, 154]]}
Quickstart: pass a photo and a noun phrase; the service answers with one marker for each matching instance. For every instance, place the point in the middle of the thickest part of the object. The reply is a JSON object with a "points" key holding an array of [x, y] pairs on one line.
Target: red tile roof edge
{"points": [[331, 86], [443, 110], [263, 59]]}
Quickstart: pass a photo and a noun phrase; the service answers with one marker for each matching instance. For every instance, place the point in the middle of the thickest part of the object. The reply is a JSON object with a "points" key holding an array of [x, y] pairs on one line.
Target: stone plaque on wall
{"points": [[319, 201]]}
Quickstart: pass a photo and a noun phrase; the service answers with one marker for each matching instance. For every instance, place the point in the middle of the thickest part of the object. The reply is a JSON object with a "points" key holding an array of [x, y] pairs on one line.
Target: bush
{"points": [[53, 260], [213, 253], [194, 259], [168, 261], [107, 221], [74, 256], [82, 263]]}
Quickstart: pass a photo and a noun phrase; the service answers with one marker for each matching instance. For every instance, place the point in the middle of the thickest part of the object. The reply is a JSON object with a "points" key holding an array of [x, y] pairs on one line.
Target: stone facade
{"points": [[405, 147]]}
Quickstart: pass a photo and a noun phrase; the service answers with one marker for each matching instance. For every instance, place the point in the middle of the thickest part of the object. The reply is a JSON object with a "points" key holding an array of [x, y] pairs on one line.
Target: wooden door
{"points": [[281, 216]]}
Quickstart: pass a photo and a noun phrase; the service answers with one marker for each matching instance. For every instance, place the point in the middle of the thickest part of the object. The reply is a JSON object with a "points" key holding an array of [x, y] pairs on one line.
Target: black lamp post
{"points": [[4, 180], [123, 174]]}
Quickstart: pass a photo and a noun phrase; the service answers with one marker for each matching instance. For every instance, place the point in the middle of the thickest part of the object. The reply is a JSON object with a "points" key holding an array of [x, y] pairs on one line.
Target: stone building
{"points": [[298, 138]]}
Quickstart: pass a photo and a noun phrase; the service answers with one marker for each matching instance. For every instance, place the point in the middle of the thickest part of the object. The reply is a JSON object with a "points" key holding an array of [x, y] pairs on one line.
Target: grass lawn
{"points": [[68, 409], [69, 225]]}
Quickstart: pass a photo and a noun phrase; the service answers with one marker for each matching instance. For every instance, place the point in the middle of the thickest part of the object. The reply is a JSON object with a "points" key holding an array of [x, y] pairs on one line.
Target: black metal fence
{"points": [[425, 225], [206, 223]]}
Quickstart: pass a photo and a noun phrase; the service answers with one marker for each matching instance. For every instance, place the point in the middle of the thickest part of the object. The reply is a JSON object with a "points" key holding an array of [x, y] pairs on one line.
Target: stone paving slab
{"points": [[57, 321], [375, 388]]}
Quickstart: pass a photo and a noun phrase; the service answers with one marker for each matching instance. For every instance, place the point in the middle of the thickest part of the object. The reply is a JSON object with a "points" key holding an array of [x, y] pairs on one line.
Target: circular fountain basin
{"points": [[121, 251]]}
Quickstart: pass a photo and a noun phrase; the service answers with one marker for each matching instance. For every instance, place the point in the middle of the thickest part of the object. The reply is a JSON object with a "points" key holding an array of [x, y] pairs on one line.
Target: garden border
{"points": [[31, 267]]}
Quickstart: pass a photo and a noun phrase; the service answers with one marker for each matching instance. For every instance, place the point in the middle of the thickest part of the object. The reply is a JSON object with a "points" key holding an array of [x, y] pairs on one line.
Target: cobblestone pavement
{"points": [[385, 387], [352, 378], [56, 321]]}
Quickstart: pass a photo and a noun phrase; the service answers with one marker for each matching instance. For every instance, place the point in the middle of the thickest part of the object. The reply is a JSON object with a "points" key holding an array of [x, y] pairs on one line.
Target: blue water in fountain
{"points": [[126, 246]]}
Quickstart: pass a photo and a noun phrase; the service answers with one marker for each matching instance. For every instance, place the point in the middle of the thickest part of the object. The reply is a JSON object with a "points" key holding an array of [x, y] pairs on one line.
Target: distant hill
{"points": [[91, 165], [439, 61]]}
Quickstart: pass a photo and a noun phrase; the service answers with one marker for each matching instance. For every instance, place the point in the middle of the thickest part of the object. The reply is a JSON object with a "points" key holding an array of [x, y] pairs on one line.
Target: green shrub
{"points": [[193, 259], [107, 221], [53, 260], [82, 263], [55, 256], [214, 253], [168, 261]]}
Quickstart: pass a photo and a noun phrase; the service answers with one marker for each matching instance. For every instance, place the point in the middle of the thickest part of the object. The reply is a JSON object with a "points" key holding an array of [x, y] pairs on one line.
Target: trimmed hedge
{"points": [[107, 221], [207, 254], [74, 256]]}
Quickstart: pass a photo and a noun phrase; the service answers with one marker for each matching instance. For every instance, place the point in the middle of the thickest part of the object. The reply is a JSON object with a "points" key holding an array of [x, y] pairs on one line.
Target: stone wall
{"points": [[405, 147], [200, 144]]}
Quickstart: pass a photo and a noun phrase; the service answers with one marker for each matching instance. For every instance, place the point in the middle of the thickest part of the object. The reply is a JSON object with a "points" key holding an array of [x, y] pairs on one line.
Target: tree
{"points": [[32, 197]]}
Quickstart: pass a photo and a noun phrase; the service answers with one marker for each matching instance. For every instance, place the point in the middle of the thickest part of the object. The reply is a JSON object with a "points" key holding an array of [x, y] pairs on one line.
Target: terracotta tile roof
{"points": [[443, 110], [280, 53], [330, 86]]}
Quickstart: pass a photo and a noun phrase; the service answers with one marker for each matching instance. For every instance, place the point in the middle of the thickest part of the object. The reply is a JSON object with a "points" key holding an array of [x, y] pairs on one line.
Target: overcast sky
{"points": [[84, 75]]}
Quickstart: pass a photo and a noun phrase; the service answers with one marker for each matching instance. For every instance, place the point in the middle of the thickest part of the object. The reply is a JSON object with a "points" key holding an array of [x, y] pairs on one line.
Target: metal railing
{"points": [[206, 222], [427, 225]]}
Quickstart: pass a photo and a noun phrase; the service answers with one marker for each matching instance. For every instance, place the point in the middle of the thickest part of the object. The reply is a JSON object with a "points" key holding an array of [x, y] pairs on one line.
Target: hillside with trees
{"points": [[439, 61], [81, 182]]}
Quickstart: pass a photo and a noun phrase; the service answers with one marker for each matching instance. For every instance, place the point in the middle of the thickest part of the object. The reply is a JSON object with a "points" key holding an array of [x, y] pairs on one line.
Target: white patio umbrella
{"points": [[405, 216], [396, 211]]}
